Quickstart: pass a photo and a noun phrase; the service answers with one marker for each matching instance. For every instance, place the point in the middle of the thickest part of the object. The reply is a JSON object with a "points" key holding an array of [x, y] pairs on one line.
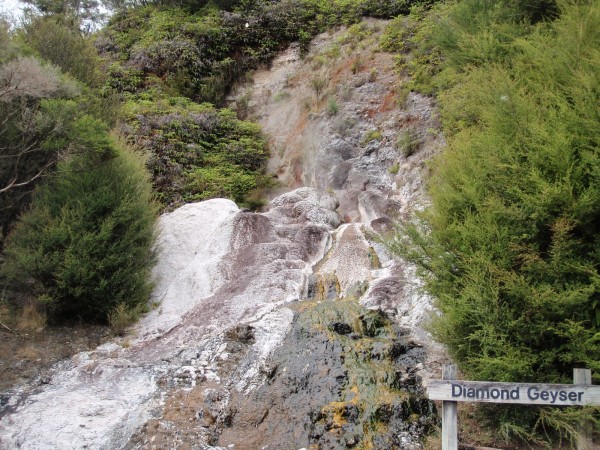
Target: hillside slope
{"points": [[289, 328]]}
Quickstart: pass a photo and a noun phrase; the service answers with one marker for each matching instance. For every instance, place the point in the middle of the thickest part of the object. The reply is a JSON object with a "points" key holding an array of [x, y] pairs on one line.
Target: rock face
{"points": [[362, 137], [188, 267], [366, 140], [218, 268], [343, 377], [290, 328]]}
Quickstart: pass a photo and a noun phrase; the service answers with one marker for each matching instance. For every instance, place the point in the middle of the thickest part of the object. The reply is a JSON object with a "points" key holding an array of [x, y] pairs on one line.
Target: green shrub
{"points": [[318, 83], [281, 96], [357, 65], [8, 47], [200, 51], [453, 37], [58, 40], [219, 180], [370, 136], [122, 316], [509, 247], [397, 34], [332, 106], [402, 92], [304, 39], [197, 152], [373, 74], [122, 79], [36, 134], [408, 142], [85, 245]]}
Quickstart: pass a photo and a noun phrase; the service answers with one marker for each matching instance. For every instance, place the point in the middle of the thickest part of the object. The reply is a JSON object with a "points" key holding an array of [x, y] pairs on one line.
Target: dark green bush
{"points": [[36, 134], [49, 106], [510, 245], [85, 245]]}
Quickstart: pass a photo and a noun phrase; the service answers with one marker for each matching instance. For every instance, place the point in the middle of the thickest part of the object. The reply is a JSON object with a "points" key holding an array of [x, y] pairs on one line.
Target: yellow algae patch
{"points": [[375, 262], [336, 410]]}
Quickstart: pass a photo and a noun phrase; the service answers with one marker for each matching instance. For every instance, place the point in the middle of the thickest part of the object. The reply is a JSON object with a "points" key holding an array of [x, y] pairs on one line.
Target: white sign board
{"points": [[524, 393], [450, 391]]}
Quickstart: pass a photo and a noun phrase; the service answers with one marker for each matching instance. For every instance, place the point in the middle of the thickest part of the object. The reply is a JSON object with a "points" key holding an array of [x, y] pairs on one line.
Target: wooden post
{"points": [[450, 391], [584, 439], [449, 417]]}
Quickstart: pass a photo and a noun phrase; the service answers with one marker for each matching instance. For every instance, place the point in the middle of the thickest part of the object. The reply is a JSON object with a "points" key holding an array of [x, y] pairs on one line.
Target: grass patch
{"points": [[281, 96], [122, 317], [332, 106], [373, 74], [357, 65], [408, 142], [370, 136], [32, 318], [318, 83]]}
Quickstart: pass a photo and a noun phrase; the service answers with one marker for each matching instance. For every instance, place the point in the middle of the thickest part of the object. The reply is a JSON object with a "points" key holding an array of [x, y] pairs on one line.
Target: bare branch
{"points": [[9, 329], [32, 147], [13, 184]]}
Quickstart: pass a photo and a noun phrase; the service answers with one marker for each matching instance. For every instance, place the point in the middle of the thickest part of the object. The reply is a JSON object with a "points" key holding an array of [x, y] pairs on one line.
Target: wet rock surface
{"points": [[335, 384]]}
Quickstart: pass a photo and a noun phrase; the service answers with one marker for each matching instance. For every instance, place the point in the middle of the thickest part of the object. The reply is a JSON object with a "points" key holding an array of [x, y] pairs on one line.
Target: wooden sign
{"points": [[523, 393], [450, 391]]}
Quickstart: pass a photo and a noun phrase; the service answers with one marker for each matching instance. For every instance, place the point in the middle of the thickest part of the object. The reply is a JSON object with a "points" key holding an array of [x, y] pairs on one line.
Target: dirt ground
{"points": [[25, 356]]}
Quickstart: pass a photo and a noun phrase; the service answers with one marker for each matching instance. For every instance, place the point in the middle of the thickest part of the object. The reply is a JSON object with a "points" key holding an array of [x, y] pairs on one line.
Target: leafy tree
{"points": [[35, 131], [58, 40], [42, 107], [87, 13], [84, 248], [8, 48]]}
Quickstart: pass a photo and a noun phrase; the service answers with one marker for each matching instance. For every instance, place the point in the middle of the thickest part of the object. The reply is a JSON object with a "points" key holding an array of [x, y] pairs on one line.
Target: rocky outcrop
{"points": [[188, 267], [369, 149], [342, 378], [361, 136]]}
